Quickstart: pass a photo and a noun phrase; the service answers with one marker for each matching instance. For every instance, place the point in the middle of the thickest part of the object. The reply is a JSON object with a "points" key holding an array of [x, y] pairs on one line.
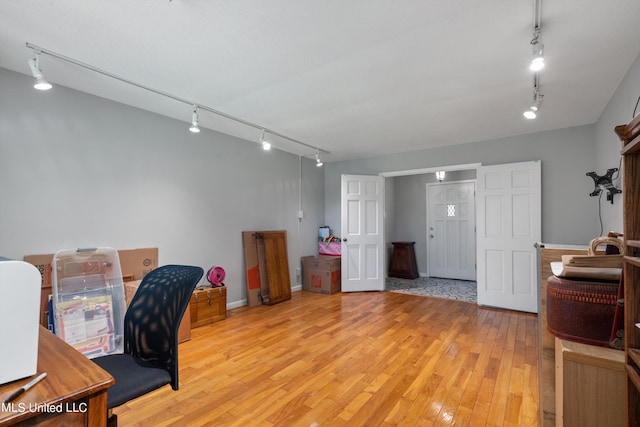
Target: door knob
{"points": [[344, 240]]}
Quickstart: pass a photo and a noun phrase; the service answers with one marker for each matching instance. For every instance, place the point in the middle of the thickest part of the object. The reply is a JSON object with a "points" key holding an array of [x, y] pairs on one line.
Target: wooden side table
{"points": [[403, 261]]}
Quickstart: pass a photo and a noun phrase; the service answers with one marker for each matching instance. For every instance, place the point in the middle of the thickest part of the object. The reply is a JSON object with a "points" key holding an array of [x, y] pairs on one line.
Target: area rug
{"points": [[462, 290]]}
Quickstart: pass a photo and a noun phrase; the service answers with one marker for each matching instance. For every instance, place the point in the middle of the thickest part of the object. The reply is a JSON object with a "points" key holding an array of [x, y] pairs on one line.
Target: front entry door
{"points": [[362, 221], [451, 234]]}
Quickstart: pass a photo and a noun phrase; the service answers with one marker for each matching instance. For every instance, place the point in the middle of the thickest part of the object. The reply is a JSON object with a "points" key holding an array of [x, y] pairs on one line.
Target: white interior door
{"points": [[451, 234], [508, 226], [362, 220]]}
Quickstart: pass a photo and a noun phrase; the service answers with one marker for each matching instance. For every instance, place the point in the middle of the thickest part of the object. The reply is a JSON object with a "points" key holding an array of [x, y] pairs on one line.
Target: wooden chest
{"points": [[208, 305]]}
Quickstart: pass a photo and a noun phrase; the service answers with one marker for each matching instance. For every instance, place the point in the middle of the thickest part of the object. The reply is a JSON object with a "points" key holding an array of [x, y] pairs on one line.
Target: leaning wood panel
{"points": [[272, 253]]}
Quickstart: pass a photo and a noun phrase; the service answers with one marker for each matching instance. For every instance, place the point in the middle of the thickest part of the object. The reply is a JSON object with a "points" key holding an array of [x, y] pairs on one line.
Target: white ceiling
{"points": [[357, 78]]}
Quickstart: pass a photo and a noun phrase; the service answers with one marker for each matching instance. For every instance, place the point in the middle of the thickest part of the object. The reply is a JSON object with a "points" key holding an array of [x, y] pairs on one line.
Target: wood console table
{"points": [[74, 392]]}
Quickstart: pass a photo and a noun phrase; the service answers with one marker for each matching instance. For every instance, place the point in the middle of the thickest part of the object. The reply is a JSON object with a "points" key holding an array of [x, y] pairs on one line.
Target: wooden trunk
{"points": [[208, 305]]}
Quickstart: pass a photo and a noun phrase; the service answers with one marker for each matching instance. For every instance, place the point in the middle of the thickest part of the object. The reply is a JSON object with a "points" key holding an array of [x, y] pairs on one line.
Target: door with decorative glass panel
{"points": [[451, 240]]}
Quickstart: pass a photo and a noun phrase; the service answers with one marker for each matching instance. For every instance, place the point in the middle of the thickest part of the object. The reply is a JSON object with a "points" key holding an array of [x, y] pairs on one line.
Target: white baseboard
{"points": [[243, 302], [236, 304]]}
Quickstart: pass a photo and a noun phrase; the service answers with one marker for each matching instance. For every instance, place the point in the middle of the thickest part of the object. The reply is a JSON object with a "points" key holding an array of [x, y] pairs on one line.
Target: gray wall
{"points": [[618, 111], [569, 215], [82, 171]]}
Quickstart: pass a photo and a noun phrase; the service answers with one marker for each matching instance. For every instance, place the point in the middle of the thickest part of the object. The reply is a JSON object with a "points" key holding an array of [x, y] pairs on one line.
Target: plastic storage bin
{"points": [[89, 300]]}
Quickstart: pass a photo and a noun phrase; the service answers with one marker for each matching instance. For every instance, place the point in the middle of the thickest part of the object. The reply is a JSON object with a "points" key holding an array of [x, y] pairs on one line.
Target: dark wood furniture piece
{"points": [[630, 136], [403, 261], [74, 392]]}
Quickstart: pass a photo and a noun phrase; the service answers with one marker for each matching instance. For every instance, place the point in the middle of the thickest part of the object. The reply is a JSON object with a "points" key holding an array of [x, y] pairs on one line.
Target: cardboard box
{"points": [[321, 274], [251, 269], [138, 261]]}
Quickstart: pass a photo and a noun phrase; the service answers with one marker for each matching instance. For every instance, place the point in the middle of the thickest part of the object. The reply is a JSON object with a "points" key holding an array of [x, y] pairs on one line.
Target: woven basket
{"points": [[593, 245], [581, 311]]}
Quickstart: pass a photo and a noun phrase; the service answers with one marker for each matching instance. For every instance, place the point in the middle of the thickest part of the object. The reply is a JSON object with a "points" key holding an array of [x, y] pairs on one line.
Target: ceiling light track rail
{"points": [[537, 62], [194, 105]]}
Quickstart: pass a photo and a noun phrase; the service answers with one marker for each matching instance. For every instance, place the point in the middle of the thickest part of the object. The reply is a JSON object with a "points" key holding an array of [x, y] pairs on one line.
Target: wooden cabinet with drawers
{"points": [[208, 305]]}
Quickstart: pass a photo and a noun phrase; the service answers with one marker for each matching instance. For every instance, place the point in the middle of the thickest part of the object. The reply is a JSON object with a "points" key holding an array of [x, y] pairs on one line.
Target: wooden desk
{"points": [[74, 391]]}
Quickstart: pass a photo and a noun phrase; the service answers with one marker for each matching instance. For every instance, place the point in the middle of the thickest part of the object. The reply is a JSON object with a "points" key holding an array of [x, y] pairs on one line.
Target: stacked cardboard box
{"points": [[321, 274]]}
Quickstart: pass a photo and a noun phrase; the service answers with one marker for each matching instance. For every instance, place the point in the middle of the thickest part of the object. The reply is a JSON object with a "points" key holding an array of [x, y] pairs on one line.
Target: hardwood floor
{"points": [[360, 359]]}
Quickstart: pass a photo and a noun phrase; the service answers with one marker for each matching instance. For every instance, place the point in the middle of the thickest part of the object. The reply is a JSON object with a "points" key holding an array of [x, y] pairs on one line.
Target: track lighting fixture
{"points": [[41, 83], [266, 145], [537, 62], [440, 175], [532, 112], [194, 120], [318, 161]]}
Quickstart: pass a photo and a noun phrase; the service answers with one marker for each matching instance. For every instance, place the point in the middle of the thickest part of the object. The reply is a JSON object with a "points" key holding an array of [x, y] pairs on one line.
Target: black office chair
{"points": [[150, 358]]}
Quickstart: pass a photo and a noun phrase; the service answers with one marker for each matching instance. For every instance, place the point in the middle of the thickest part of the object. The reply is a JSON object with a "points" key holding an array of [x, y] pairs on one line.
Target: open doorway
{"points": [[406, 216], [508, 218]]}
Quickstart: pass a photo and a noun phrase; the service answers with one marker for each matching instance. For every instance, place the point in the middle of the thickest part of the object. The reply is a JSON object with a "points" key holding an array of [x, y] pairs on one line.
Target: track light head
{"points": [[266, 145], [318, 161], [41, 83], [532, 112], [537, 63], [194, 128]]}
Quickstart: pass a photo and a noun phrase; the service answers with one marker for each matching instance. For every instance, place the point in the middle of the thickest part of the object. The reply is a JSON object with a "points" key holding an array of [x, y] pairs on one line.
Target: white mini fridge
{"points": [[19, 319]]}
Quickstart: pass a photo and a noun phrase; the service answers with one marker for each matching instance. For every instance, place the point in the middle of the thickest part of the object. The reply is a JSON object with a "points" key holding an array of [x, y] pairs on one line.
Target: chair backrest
{"points": [[153, 317]]}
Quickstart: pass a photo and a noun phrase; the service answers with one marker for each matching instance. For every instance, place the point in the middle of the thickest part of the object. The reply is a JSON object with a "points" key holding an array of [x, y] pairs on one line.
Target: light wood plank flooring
{"points": [[360, 359]]}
